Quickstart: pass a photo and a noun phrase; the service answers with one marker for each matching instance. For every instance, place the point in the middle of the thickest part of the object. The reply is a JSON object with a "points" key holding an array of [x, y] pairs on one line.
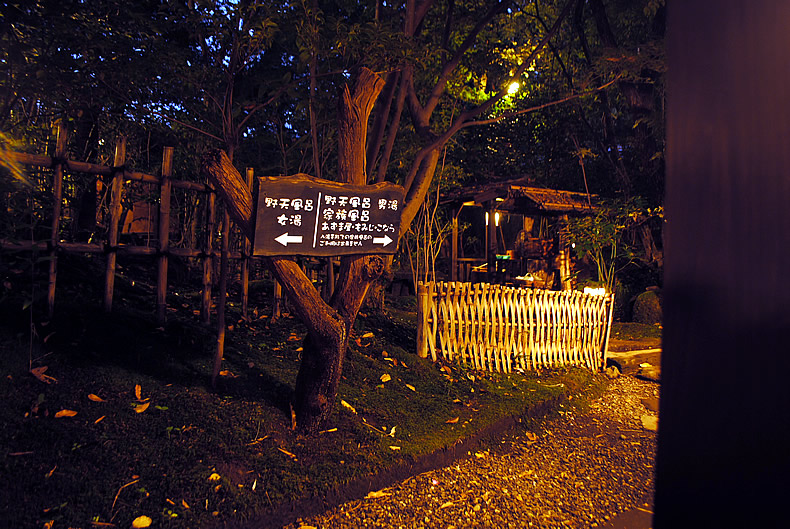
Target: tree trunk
{"points": [[327, 324]]}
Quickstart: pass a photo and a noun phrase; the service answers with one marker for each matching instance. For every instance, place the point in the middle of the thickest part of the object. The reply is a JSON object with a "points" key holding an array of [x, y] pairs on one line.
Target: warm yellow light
{"points": [[496, 218], [513, 88]]}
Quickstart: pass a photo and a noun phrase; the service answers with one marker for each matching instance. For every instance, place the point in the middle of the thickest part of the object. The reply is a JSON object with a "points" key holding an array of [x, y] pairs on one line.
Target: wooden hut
{"points": [[533, 255]]}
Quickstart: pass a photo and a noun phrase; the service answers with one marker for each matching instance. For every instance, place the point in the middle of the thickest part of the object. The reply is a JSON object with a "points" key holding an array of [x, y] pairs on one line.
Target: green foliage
{"points": [[600, 237]]}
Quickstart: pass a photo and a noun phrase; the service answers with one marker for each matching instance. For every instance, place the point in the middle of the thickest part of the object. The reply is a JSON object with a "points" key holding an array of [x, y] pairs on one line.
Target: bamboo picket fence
{"points": [[501, 328]]}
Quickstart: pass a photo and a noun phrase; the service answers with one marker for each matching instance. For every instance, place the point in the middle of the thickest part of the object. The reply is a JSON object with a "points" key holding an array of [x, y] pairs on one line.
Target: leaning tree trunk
{"points": [[327, 324]]}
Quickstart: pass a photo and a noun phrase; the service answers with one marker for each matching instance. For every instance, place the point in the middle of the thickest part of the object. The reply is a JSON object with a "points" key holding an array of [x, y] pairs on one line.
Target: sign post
{"points": [[304, 215]]}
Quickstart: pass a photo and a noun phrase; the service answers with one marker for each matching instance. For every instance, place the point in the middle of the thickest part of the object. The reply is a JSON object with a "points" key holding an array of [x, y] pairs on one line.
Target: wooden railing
{"points": [[500, 328]]}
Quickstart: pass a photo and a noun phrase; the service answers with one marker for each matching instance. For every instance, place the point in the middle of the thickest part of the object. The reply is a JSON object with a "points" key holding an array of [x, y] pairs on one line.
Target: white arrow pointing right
{"points": [[384, 241], [284, 239]]}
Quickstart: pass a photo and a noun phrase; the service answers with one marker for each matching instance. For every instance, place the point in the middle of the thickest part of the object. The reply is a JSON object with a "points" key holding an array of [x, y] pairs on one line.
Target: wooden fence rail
{"points": [[116, 177], [500, 328]]}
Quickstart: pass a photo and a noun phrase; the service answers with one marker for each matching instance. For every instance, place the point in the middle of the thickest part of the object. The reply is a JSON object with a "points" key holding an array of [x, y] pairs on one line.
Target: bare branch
{"points": [[508, 115], [453, 63]]}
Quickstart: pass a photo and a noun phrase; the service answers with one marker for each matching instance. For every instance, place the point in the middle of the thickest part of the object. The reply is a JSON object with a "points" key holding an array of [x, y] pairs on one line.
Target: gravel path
{"points": [[579, 470]]}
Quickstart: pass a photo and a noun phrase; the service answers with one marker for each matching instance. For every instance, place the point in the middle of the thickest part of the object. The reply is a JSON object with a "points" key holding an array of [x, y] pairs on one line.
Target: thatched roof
{"points": [[512, 196], [555, 201]]}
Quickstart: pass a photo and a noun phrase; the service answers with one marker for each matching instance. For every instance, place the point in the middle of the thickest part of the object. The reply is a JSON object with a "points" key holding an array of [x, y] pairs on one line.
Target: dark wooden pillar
{"points": [[723, 457]]}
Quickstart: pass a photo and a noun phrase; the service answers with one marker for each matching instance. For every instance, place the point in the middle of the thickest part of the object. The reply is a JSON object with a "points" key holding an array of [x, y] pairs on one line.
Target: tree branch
{"points": [[508, 115]]}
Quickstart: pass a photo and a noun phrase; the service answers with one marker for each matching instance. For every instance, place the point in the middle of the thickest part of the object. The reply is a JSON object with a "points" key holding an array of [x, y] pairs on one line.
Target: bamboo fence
{"points": [[116, 177], [501, 328]]}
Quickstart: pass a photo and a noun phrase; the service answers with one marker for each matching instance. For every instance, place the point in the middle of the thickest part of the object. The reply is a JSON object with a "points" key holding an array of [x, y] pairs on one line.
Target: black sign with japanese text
{"points": [[304, 215]]}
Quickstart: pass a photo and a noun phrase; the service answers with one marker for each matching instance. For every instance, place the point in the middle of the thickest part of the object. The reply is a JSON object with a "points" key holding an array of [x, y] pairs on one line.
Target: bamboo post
{"points": [[491, 243], [454, 250], [423, 309], [164, 235], [245, 259], [608, 331], [57, 192], [221, 297], [278, 300], [115, 217], [208, 259]]}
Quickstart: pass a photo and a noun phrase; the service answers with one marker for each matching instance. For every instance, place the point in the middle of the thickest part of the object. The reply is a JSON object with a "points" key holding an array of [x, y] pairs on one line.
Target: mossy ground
{"points": [[197, 456]]}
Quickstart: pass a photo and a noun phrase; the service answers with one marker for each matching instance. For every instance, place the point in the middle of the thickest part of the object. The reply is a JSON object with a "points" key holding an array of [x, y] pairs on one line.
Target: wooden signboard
{"points": [[304, 215]]}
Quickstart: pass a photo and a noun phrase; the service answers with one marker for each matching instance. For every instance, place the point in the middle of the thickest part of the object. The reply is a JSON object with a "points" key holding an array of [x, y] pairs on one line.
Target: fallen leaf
{"points": [[329, 430], [411, 387], [289, 454], [140, 408], [394, 447], [531, 436], [376, 494], [49, 474], [100, 419], [392, 432], [214, 477], [95, 398], [386, 377], [184, 504], [453, 420], [142, 521], [65, 413], [358, 341], [348, 406], [446, 504], [293, 337], [447, 369], [226, 373], [368, 335], [38, 372], [138, 392]]}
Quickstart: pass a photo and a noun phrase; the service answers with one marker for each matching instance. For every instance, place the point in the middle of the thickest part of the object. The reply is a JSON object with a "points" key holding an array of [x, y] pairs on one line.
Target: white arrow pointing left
{"points": [[284, 239], [384, 241]]}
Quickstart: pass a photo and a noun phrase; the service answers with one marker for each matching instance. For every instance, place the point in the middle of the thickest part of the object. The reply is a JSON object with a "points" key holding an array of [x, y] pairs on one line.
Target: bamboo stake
{"points": [[422, 320], [57, 192], [115, 217], [164, 235], [246, 259], [208, 259], [221, 298]]}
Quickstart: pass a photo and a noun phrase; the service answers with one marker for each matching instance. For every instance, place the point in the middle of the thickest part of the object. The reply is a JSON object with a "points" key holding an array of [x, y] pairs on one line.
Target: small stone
{"points": [[651, 403], [649, 422], [612, 372]]}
